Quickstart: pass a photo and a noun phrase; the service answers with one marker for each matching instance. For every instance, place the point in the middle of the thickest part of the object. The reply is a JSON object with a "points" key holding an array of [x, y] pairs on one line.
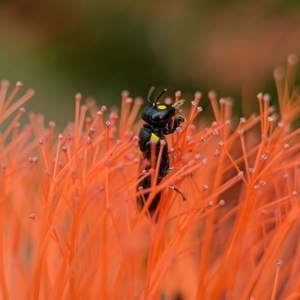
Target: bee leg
{"points": [[168, 128], [177, 190], [177, 121]]}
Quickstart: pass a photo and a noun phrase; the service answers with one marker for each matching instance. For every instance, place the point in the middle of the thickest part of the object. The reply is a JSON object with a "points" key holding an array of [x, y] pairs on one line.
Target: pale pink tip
{"points": [[198, 95], [138, 101], [125, 94], [168, 101], [204, 187], [47, 173], [83, 108], [30, 92], [212, 94], [293, 59], [267, 97], [22, 110], [279, 73], [163, 143], [52, 124], [178, 93], [279, 262], [222, 202], [78, 97], [259, 96], [5, 83], [19, 84]]}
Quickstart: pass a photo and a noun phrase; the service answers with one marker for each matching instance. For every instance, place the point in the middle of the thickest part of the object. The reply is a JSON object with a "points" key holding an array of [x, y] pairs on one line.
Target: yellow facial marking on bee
{"points": [[161, 106], [154, 138]]}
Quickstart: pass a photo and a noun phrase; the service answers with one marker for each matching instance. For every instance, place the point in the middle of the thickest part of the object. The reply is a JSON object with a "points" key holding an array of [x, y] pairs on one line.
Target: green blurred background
{"points": [[100, 48]]}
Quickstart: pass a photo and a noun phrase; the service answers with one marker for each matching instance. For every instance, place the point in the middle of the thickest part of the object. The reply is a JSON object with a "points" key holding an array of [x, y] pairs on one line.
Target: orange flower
{"points": [[70, 227]]}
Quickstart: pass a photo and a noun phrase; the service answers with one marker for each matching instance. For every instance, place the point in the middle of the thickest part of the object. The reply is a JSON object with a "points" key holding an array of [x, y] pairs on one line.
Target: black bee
{"points": [[159, 122]]}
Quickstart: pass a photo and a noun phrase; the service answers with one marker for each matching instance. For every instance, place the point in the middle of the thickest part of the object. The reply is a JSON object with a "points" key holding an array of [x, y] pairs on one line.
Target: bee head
{"points": [[158, 114]]}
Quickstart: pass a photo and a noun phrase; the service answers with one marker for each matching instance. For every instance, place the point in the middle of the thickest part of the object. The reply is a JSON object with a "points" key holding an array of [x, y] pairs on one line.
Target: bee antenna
{"points": [[160, 95], [149, 94]]}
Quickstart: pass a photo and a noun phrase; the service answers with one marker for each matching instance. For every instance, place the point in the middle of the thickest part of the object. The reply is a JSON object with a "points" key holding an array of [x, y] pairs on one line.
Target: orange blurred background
{"points": [[99, 48]]}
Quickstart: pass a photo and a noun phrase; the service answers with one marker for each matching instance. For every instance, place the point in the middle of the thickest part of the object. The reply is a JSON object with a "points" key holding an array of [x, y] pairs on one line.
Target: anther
{"points": [[204, 187], [266, 97], [264, 157], [217, 153], [92, 130], [88, 121], [240, 174], [197, 156], [210, 203], [221, 202], [242, 120], [178, 94], [279, 262], [51, 124]]}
